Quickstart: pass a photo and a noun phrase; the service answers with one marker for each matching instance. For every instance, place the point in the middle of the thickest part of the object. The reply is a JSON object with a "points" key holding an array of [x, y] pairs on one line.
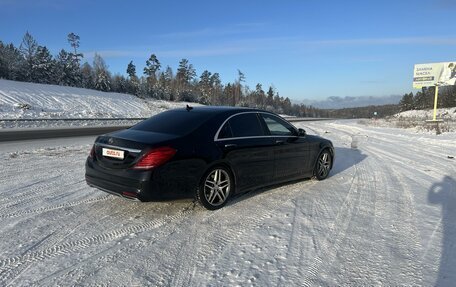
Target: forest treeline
{"points": [[32, 62], [424, 99]]}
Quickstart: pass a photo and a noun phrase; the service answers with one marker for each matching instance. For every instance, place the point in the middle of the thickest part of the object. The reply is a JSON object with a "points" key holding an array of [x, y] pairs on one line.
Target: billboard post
{"points": [[436, 95], [434, 74]]}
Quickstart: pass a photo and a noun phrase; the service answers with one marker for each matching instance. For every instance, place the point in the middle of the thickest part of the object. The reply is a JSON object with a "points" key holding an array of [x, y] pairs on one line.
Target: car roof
{"points": [[219, 109]]}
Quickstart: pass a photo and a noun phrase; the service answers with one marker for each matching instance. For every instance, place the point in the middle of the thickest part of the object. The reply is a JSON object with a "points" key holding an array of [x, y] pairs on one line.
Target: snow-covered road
{"points": [[385, 216]]}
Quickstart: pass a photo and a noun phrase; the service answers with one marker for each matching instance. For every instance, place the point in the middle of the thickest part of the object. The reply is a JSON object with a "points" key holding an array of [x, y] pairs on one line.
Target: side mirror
{"points": [[301, 132]]}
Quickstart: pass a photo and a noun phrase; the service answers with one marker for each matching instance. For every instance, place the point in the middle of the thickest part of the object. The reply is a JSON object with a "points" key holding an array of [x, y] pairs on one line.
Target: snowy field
{"points": [[385, 216]]}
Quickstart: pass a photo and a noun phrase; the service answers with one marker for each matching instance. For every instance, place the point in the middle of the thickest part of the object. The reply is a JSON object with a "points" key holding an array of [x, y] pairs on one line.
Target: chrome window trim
{"points": [[119, 147], [255, 137], [249, 137]]}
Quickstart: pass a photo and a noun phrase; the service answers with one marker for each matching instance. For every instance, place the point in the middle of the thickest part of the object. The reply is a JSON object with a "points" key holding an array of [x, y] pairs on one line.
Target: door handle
{"points": [[279, 142], [230, 145]]}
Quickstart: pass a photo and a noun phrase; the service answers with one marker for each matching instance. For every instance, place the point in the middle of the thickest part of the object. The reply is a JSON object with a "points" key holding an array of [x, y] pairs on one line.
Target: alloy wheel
{"points": [[323, 165], [217, 187]]}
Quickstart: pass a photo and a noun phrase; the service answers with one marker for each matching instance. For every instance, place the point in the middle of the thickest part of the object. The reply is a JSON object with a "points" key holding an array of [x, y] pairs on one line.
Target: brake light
{"points": [[92, 151], [155, 157]]}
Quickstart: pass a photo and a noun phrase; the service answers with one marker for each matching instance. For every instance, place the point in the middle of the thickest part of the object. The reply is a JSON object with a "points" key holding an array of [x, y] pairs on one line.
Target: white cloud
{"points": [[264, 44]]}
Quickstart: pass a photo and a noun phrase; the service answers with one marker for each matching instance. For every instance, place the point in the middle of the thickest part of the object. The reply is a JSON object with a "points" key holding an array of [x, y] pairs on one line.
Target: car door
{"points": [[291, 151], [248, 150]]}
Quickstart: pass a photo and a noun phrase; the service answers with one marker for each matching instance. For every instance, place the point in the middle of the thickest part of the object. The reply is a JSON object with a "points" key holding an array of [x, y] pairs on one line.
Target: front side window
{"points": [[277, 126]]}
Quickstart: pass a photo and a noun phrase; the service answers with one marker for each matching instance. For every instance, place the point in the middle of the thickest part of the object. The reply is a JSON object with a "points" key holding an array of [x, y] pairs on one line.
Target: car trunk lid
{"points": [[122, 149]]}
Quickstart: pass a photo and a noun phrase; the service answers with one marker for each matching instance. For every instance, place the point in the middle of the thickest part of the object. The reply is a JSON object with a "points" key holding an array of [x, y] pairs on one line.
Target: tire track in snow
{"points": [[15, 204], [29, 188], [186, 257], [49, 240], [9, 264], [54, 207], [248, 214], [165, 227], [295, 248], [189, 258], [394, 213], [397, 211], [337, 231]]}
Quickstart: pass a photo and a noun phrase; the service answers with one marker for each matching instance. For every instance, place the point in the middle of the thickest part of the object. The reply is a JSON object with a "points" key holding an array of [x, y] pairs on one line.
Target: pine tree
{"points": [[119, 84], [216, 89], [205, 86], [102, 77], [12, 63], [286, 106], [44, 67], [150, 71], [169, 84], [3, 62], [87, 76], [228, 95], [76, 57], [184, 76], [133, 81], [73, 39], [447, 97], [259, 96], [270, 97], [131, 70], [406, 102], [152, 67], [69, 72], [185, 73], [28, 48], [424, 99], [238, 88]]}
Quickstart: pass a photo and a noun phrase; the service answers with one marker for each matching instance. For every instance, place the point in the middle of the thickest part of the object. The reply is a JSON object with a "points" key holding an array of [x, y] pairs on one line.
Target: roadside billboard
{"points": [[434, 74]]}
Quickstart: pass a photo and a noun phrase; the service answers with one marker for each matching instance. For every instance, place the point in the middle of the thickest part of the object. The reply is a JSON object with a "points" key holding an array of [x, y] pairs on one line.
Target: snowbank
{"points": [[416, 120], [28, 100], [446, 114]]}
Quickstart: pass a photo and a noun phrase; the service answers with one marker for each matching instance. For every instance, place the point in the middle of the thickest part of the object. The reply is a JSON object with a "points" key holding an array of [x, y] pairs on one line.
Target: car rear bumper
{"points": [[162, 183], [130, 184], [112, 188]]}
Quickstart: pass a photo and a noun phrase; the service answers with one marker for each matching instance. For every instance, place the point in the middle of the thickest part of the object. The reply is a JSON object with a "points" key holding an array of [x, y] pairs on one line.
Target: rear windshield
{"points": [[176, 122]]}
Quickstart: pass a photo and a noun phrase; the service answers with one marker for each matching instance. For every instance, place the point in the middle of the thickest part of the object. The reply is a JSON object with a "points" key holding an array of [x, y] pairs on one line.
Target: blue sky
{"points": [[306, 49]]}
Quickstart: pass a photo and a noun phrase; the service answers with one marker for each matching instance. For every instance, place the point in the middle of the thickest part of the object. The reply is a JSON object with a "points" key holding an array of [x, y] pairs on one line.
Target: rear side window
{"points": [[245, 125], [225, 132]]}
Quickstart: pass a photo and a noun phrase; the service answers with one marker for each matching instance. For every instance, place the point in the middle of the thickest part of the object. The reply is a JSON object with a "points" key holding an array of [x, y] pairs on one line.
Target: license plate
{"points": [[113, 153]]}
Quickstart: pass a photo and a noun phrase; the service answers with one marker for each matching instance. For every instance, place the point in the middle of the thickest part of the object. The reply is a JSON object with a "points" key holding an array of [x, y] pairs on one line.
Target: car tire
{"points": [[215, 188], [323, 165]]}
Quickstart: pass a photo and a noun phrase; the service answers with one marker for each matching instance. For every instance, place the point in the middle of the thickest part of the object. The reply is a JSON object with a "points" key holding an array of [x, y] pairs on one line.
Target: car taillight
{"points": [[155, 157], [92, 151]]}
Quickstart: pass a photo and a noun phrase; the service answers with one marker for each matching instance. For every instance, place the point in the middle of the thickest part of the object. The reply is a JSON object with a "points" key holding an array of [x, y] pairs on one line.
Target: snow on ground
{"points": [[28, 100], [65, 123], [418, 121], [385, 216]]}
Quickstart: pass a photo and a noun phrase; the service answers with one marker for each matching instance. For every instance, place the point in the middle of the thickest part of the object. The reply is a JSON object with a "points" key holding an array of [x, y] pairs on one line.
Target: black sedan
{"points": [[209, 153]]}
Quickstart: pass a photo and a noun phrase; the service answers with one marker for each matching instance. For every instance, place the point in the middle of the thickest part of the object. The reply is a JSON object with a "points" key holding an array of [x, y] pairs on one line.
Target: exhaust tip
{"points": [[130, 195]]}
